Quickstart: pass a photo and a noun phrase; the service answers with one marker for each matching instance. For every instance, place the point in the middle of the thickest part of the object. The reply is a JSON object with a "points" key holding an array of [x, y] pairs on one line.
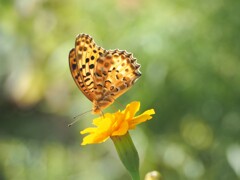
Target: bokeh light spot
{"points": [[196, 132]]}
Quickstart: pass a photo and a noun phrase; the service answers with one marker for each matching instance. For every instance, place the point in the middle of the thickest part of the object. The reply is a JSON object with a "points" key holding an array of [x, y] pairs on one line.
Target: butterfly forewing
{"points": [[75, 71], [86, 54]]}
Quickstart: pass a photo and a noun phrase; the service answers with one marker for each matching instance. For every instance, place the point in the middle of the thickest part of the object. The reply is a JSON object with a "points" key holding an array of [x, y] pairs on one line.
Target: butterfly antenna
{"points": [[76, 120]]}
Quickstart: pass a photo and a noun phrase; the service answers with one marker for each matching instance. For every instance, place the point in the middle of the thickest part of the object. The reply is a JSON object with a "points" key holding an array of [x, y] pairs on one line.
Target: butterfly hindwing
{"points": [[118, 71]]}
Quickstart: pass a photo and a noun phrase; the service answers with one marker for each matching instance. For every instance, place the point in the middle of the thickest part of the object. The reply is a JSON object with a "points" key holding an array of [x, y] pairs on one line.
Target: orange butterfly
{"points": [[102, 75]]}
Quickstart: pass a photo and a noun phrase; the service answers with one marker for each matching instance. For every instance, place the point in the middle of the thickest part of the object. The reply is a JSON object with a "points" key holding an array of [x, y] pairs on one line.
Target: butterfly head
{"points": [[96, 110], [96, 107]]}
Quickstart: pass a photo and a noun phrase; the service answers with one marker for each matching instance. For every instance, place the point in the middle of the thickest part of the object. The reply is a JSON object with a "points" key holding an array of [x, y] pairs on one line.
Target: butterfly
{"points": [[102, 75]]}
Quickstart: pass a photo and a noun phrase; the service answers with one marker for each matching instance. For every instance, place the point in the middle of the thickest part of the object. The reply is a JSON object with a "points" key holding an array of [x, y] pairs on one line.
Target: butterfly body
{"points": [[102, 75]]}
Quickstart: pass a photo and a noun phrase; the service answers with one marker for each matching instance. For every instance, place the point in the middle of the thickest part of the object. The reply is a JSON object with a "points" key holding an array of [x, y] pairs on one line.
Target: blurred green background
{"points": [[189, 52]]}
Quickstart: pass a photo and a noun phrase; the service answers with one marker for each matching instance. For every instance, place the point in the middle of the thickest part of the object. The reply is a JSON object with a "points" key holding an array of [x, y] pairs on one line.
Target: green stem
{"points": [[128, 154]]}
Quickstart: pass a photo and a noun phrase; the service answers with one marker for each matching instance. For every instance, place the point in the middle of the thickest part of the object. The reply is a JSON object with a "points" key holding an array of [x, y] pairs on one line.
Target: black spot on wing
{"points": [[86, 80], [74, 66]]}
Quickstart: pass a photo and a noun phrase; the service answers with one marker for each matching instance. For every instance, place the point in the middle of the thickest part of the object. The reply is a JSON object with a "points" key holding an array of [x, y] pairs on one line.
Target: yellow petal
{"points": [[117, 121], [131, 109], [88, 130], [95, 138], [122, 130], [141, 118], [98, 121], [88, 139], [105, 125]]}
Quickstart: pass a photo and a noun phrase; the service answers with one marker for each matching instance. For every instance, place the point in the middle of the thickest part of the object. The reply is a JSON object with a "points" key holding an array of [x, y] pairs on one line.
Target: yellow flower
{"points": [[116, 124]]}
